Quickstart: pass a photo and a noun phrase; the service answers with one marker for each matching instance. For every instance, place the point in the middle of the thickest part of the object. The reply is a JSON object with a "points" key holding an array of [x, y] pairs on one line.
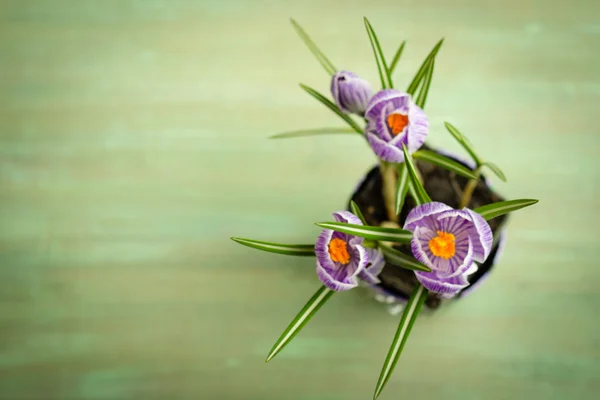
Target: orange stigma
{"points": [[397, 123], [338, 251], [442, 245]]}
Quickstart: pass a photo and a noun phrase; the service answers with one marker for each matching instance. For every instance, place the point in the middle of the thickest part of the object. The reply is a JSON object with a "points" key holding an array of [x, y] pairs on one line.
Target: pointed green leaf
{"points": [[444, 162], [401, 187], [369, 232], [311, 132], [409, 317], [333, 107], [464, 142], [384, 73], [287, 249], [499, 208], [356, 211], [323, 60], [422, 97], [396, 58], [496, 170], [310, 309], [400, 259], [412, 88], [421, 195]]}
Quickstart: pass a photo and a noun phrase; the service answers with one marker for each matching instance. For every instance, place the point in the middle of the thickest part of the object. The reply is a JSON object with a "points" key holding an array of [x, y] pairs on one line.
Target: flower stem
{"points": [[389, 179], [469, 188]]}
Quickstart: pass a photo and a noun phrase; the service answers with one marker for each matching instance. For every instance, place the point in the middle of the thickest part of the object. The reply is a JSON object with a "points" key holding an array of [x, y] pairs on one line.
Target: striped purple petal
{"points": [[384, 150], [374, 268], [421, 215], [350, 92], [447, 287], [481, 235]]}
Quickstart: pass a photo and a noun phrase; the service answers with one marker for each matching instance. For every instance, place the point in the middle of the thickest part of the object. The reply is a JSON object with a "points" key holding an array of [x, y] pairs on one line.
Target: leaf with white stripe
{"points": [[444, 162], [421, 196], [312, 132], [464, 142], [411, 311], [313, 305], [369, 232], [321, 58], [333, 107], [412, 88], [396, 57], [496, 170], [279, 248], [384, 72], [402, 260], [356, 211], [422, 96], [499, 208], [401, 187]]}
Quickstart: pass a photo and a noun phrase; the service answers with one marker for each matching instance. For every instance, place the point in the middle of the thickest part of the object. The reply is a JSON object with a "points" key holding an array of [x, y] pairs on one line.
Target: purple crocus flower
{"points": [[350, 92], [448, 241], [393, 119], [341, 258]]}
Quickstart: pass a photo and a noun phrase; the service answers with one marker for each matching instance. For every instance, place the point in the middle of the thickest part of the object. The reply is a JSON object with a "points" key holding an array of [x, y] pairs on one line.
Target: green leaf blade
{"points": [[402, 260], [412, 87], [496, 170], [313, 305], [321, 58], [421, 196], [369, 232], [464, 142], [302, 250], [444, 162], [499, 208], [396, 58], [409, 317], [384, 72], [401, 187], [422, 97], [356, 211], [311, 132], [333, 107]]}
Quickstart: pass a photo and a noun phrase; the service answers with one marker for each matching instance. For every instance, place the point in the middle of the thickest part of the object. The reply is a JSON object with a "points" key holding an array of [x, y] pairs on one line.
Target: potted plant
{"points": [[422, 227]]}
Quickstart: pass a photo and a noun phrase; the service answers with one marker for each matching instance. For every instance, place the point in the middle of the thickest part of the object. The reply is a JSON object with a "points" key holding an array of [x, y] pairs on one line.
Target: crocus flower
{"points": [[448, 241], [342, 259], [393, 119], [350, 92]]}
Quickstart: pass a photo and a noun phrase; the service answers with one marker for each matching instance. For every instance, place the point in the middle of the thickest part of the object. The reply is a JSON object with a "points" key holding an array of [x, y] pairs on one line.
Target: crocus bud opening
{"points": [[350, 92]]}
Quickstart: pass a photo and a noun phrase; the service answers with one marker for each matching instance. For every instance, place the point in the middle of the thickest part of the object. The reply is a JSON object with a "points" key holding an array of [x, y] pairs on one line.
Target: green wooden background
{"points": [[132, 145]]}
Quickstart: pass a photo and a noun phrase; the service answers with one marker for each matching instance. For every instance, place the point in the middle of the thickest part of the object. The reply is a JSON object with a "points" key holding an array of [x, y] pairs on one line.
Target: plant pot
{"points": [[443, 186]]}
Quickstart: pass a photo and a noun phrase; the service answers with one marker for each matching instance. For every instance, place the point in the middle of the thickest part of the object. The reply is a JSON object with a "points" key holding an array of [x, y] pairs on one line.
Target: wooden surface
{"points": [[132, 145]]}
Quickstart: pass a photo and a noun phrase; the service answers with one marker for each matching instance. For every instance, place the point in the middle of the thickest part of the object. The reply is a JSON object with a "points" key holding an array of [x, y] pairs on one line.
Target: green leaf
{"points": [[384, 73], [444, 162], [287, 249], [311, 132], [412, 88], [310, 309], [496, 170], [369, 232], [422, 97], [400, 259], [396, 58], [323, 60], [329, 104], [356, 211], [409, 316], [464, 142], [401, 187], [421, 195], [499, 208]]}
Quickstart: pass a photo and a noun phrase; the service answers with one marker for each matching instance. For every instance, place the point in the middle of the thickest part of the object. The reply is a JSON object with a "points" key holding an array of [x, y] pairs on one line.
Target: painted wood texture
{"points": [[132, 145]]}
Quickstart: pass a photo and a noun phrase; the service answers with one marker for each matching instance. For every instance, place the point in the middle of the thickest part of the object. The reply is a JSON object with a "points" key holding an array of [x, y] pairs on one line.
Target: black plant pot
{"points": [[443, 186]]}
